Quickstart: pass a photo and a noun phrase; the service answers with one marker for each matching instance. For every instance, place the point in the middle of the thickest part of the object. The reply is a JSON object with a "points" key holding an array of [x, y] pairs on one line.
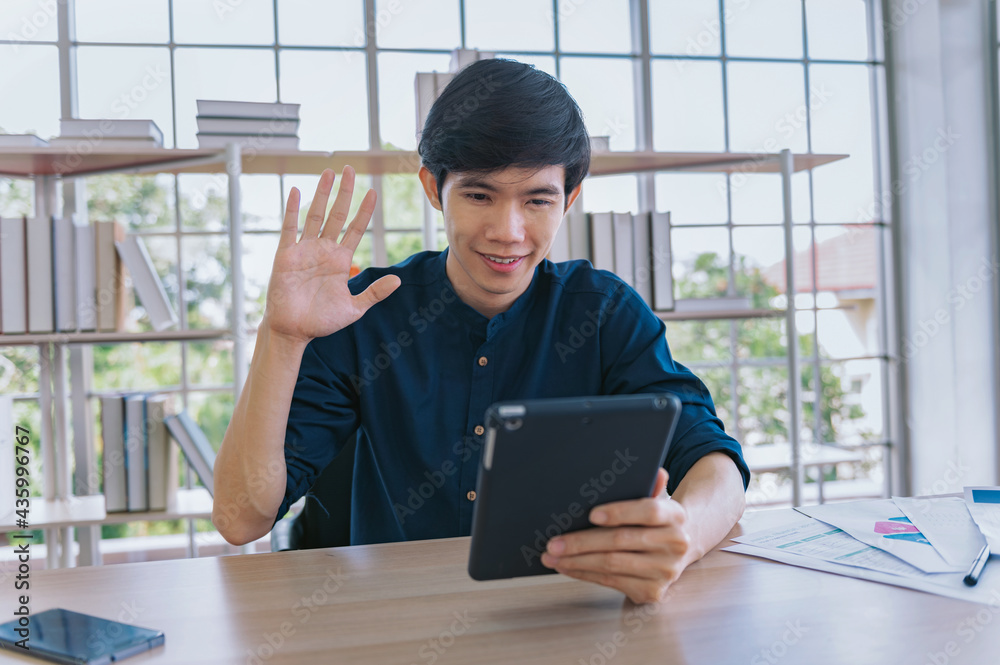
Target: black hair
{"points": [[498, 113]]}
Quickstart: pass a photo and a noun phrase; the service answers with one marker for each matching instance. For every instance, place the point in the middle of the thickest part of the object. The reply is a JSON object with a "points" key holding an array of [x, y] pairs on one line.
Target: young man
{"points": [[407, 359]]}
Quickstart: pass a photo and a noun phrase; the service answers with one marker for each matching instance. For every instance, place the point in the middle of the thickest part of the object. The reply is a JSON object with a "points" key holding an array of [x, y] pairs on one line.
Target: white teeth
{"points": [[496, 260]]}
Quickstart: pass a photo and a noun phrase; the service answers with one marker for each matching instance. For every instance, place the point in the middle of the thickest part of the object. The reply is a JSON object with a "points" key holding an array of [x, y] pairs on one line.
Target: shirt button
{"points": [[479, 430], [482, 361], [471, 496]]}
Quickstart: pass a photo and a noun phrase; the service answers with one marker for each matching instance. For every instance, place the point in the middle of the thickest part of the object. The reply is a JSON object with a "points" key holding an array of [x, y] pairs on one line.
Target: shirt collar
{"points": [[473, 317]]}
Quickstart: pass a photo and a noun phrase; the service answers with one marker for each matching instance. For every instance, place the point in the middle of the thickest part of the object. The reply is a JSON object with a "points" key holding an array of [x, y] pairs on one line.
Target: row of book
{"points": [[268, 126], [58, 275], [139, 464], [634, 246], [82, 134]]}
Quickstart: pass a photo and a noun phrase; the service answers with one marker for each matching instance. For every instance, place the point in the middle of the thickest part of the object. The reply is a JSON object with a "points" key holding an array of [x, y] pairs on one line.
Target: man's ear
{"points": [[572, 197], [429, 182]]}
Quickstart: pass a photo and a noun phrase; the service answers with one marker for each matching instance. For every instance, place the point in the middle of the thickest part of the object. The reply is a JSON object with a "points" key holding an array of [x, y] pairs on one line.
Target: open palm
{"points": [[307, 296]]}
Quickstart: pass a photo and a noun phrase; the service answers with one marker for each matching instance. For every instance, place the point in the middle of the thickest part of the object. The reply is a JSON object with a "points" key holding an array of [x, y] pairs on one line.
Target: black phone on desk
{"points": [[547, 462], [73, 638]]}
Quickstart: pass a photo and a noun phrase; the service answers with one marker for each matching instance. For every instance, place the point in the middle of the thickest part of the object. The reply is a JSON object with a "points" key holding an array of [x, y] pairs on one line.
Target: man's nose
{"points": [[507, 225]]}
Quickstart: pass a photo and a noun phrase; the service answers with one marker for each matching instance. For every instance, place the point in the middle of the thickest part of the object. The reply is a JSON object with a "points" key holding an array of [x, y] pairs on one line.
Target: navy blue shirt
{"points": [[412, 380]]}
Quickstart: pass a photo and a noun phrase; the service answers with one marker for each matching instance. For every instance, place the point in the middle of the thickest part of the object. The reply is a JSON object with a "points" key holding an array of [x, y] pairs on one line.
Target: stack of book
{"points": [[22, 141], [198, 451], [636, 247], [256, 125], [123, 134], [60, 276], [139, 464]]}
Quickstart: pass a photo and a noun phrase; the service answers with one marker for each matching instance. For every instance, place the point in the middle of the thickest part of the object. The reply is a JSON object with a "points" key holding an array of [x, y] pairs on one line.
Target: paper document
{"points": [[984, 505], [881, 524], [948, 584], [947, 524], [812, 538]]}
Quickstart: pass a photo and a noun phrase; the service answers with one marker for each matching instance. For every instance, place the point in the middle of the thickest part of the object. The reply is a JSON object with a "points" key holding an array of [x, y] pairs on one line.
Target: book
{"points": [[64, 273], [113, 457], [663, 280], [109, 128], [146, 282], [228, 109], [198, 451], [136, 456], [80, 144], [427, 87], [22, 141], [41, 317], [110, 294], [578, 226], [263, 141], [86, 276], [623, 247], [602, 241], [276, 126], [696, 305], [642, 257], [13, 276], [559, 251], [163, 471], [7, 454]]}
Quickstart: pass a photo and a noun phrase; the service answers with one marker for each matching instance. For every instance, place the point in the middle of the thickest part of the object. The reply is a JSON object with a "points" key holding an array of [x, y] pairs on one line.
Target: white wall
{"points": [[941, 97]]}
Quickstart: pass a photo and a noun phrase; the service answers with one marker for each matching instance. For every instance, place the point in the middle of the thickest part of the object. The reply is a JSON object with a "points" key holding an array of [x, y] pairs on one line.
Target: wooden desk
{"points": [[405, 603]]}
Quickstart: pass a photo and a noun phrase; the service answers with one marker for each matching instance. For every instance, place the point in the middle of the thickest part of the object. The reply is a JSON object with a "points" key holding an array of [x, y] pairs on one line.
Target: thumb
{"points": [[377, 291], [660, 486]]}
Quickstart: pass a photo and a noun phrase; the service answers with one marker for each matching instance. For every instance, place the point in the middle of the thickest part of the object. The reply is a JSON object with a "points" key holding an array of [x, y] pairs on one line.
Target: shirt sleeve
{"points": [[635, 358], [323, 415]]}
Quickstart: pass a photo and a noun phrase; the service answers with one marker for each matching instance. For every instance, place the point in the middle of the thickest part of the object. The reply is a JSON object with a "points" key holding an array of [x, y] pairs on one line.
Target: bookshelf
{"points": [[59, 512]]}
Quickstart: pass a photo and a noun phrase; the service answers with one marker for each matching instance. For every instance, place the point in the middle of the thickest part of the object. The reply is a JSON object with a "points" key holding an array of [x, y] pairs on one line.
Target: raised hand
{"points": [[307, 296]]}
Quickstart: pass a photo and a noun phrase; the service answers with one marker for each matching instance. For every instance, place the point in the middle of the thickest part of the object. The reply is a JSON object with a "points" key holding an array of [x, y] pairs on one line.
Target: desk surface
{"points": [[414, 603]]}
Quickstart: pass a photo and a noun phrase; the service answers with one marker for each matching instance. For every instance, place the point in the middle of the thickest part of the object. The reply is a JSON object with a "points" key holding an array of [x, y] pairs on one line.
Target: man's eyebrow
{"points": [[473, 182]]}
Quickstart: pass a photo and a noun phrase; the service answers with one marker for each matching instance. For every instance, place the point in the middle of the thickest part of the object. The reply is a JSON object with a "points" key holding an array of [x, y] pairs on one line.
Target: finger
{"points": [[290, 224], [376, 292], [314, 218], [341, 205], [639, 590], [631, 564], [658, 511], [356, 229], [619, 539], [660, 486]]}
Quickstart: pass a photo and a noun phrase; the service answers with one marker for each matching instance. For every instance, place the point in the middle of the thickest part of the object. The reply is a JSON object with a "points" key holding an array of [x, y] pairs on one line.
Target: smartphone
{"points": [[64, 636]]}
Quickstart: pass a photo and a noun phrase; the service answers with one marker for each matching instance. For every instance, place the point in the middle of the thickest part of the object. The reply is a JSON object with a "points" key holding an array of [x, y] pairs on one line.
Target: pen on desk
{"points": [[977, 566]]}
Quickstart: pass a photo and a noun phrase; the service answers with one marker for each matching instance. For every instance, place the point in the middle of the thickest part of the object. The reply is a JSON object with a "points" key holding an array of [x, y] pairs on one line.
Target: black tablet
{"points": [[546, 463], [72, 638]]}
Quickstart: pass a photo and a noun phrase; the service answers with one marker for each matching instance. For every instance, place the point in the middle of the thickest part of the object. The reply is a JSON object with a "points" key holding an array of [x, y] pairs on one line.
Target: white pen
{"points": [[977, 566]]}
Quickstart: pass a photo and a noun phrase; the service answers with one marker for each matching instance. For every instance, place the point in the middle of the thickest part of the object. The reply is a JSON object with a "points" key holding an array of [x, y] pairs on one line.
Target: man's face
{"points": [[499, 227]]}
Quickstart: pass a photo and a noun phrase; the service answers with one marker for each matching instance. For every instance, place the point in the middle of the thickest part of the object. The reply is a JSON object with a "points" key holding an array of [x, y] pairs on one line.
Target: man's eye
{"points": [[541, 202], [476, 196]]}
